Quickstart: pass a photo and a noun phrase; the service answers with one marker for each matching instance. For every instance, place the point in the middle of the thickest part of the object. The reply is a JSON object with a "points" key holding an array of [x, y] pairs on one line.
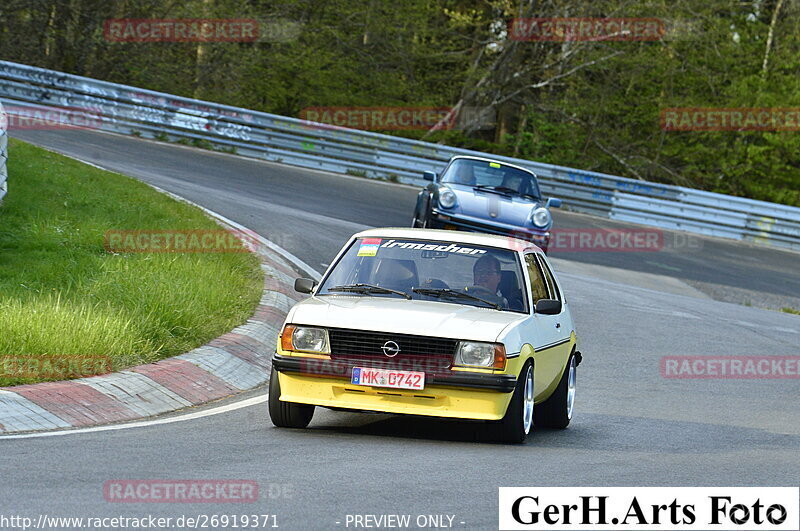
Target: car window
{"points": [[483, 173], [404, 265], [538, 284], [552, 287]]}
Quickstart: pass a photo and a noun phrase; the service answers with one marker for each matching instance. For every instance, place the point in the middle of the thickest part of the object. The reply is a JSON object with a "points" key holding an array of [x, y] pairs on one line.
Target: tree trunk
{"points": [[201, 57]]}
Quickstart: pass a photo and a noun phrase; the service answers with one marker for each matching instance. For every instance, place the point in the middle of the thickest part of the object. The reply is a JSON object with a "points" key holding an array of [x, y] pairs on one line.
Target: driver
{"points": [[487, 275]]}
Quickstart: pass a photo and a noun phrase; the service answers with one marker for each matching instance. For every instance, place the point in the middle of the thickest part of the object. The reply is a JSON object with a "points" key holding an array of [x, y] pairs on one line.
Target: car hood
{"points": [[402, 316], [508, 209]]}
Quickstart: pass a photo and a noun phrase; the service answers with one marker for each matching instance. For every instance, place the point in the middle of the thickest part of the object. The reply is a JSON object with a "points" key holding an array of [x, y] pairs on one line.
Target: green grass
{"points": [[63, 295], [790, 310]]}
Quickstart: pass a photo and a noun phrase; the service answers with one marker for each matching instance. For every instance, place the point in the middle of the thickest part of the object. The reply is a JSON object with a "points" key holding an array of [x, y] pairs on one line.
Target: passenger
{"points": [[464, 174], [512, 182]]}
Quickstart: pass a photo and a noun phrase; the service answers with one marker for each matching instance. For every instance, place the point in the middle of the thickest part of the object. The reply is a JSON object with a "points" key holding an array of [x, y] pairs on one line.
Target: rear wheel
{"points": [[556, 411], [286, 414], [518, 420]]}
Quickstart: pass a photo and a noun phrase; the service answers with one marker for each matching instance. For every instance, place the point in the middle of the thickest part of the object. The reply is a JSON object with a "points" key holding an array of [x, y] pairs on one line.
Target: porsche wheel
{"points": [[286, 414], [517, 423], [419, 223], [556, 411]]}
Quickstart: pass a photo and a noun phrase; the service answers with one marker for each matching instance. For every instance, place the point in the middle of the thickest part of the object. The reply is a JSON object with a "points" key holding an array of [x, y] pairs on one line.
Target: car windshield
{"points": [[445, 272], [491, 176]]}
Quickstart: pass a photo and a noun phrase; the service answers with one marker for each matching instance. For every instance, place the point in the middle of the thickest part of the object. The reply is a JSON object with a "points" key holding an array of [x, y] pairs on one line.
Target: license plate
{"points": [[388, 378]]}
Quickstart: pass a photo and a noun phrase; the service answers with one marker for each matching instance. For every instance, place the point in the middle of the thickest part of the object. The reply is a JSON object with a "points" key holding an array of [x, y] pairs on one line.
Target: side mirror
{"points": [[429, 175], [304, 285], [548, 306], [553, 202]]}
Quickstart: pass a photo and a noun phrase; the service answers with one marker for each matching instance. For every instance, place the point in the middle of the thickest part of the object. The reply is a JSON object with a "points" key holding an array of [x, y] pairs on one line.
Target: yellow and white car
{"points": [[430, 322]]}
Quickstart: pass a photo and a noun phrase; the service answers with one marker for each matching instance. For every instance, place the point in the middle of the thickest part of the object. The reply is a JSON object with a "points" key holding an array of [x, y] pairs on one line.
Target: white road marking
{"points": [[190, 416], [660, 311], [663, 266], [144, 423], [263, 241]]}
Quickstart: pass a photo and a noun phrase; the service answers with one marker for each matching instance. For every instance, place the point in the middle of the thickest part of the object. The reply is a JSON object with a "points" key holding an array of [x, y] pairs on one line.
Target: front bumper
{"points": [[466, 395], [445, 220]]}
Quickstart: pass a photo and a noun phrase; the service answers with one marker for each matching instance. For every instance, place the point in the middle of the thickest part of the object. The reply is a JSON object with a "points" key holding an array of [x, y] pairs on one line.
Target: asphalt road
{"points": [[311, 213], [632, 426]]}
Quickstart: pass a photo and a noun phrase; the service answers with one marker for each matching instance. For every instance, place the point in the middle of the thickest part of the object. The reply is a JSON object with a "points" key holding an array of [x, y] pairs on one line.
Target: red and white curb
{"points": [[230, 364]]}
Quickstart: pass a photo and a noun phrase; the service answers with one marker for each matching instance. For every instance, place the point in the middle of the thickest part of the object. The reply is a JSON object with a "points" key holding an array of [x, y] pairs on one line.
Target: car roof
{"points": [[486, 159], [473, 238]]}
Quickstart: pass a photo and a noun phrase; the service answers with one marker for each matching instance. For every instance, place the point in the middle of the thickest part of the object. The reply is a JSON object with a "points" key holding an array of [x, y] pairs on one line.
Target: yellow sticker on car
{"points": [[494, 165]]}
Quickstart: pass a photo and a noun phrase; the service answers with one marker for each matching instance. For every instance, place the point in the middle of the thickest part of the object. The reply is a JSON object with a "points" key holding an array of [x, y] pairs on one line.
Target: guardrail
{"points": [[128, 110], [3, 152]]}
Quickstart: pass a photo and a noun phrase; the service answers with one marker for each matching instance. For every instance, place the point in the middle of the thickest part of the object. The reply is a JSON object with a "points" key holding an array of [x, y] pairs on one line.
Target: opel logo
{"points": [[391, 349]]}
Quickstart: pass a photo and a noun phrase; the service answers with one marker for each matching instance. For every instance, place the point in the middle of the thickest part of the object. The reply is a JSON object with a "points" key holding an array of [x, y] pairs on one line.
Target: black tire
{"points": [[421, 219], [418, 223], [511, 429], [555, 411], [286, 414]]}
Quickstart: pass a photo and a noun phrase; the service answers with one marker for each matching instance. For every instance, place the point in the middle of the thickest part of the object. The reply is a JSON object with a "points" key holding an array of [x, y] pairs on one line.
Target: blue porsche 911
{"points": [[482, 195]]}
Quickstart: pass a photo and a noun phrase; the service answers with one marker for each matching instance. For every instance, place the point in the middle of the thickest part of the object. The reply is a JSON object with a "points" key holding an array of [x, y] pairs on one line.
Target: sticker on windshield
{"points": [[369, 247], [422, 246], [494, 165]]}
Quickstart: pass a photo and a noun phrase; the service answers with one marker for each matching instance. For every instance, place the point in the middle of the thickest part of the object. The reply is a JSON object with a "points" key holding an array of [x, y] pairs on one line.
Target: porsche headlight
{"points": [[475, 354], [447, 198], [305, 339], [541, 217]]}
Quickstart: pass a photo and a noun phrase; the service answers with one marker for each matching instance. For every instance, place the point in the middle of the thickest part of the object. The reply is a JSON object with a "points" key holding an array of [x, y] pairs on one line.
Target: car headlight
{"points": [[447, 198], [541, 217], [474, 354], [305, 339]]}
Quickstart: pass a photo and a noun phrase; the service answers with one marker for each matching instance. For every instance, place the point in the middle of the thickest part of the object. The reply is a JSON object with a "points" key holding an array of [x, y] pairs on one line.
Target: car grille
{"points": [[477, 227], [416, 352], [358, 342]]}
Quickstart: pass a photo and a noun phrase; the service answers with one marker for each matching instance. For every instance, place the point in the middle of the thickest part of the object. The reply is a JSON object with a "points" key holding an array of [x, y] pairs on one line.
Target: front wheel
{"points": [[419, 223], [518, 420], [556, 411], [286, 414], [422, 215]]}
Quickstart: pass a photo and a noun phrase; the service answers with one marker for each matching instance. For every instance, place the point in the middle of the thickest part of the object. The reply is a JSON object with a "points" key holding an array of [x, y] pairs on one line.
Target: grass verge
{"points": [[64, 298]]}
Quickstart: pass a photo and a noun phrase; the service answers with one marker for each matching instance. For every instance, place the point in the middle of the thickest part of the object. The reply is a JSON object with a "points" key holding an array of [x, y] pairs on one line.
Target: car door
{"points": [[567, 327], [546, 333]]}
